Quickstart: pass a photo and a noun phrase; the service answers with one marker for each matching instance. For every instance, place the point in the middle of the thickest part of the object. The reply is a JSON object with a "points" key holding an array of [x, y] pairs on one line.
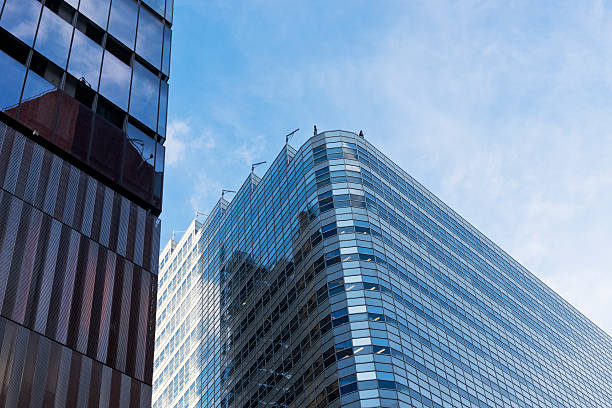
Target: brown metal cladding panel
{"points": [[27, 277], [95, 381], [115, 319], [126, 385], [106, 306], [29, 194], [148, 368], [145, 396], [63, 377], [123, 226], [40, 373], [50, 278], [52, 380], [7, 353], [8, 244], [96, 303], [77, 294], [62, 191], [71, 195], [140, 235], [132, 336], [90, 201], [131, 235], [126, 304], [97, 212], [107, 212], [14, 272], [5, 153], [74, 377], [43, 179], [84, 381], [114, 223], [135, 394], [148, 242], [87, 298], [143, 323], [24, 167], [115, 389], [12, 170], [68, 288], [3, 128], [27, 376], [79, 207], [38, 269], [155, 245], [52, 185], [105, 387], [19, 353]]}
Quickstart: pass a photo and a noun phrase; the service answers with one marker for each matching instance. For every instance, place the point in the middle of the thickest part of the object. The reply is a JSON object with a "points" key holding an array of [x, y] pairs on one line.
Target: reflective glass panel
{"points": [[20, 18], [73, 3], [85, 59], [95, 10], [123, 18], [139, 162], [115, 82], [53, 38], [169, 9], [167, 47], [39, 103], [163, 108], [144, 97], [11, 82], [150, 37], [157, 5]]}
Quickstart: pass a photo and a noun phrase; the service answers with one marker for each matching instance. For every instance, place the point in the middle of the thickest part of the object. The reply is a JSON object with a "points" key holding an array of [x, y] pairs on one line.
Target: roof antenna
{"points": [[361, 134], [290, 135], [255, 165], [315, 130], [226, 191]]}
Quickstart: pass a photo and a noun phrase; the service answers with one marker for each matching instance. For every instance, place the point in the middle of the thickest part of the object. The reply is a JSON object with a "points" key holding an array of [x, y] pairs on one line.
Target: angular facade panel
{"points": [[81, 172], [338, 280]]}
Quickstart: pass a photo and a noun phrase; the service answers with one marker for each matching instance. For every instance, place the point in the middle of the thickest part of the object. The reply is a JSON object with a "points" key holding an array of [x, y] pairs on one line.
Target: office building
{"points": [[83, 101], [337, 280]]}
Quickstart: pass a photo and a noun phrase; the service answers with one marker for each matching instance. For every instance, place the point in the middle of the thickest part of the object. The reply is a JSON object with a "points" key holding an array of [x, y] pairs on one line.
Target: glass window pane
{"points": [[73, 131], [167, 47], [150, 37], [53, 38], [20, 18], [115, 82], [169, 9], [73, 3], [39, 103], [123, 17], [106, 148], [11, 82], [139, 162], [95, 10], [85, 59], [163, 108], [157, 5], [144, 98], [158, 177]]}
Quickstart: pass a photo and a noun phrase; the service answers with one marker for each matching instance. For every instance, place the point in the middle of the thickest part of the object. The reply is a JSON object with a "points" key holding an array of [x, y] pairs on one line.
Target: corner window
{"points": [[150, 37]]}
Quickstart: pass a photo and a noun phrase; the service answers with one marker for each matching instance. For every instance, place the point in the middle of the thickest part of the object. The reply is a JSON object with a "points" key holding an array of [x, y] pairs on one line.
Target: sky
{"points": [[502, 109]]}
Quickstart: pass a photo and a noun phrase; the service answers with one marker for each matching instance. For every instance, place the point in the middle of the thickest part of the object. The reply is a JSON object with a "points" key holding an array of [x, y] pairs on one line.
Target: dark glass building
{"points": [[83, 101], [338, 280]]}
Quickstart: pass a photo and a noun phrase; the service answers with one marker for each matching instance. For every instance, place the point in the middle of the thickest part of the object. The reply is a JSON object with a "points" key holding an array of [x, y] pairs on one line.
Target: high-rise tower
{"points": [[83, 101], [338, 280]]}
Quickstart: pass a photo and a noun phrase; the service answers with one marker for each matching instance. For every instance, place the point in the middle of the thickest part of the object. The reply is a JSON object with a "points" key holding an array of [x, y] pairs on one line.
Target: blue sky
{"points": [[502, 109]]}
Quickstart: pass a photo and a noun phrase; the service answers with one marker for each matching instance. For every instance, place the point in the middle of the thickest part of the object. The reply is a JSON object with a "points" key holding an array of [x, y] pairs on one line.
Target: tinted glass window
{"points": [[163, 108], [167, 46], [115, 82], [73, 3], [53, 38], [11, 82], [85, 59], [123, 17], [157, 5], [150, 37], [144, 98], [95, 10], [20, 17], [39, 104]]}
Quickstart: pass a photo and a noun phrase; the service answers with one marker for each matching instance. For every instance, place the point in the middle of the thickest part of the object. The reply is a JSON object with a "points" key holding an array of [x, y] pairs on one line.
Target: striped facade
{"points": [[78, 283]]}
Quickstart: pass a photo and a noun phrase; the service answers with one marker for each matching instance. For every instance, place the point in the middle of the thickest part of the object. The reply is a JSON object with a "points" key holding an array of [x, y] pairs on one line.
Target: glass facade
{"points": [[75, 70], [338, 280], [83, 100]]}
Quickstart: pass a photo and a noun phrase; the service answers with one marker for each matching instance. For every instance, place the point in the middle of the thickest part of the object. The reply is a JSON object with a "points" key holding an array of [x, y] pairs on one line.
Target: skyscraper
{"points": [[83, 98], [338, 280]]}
